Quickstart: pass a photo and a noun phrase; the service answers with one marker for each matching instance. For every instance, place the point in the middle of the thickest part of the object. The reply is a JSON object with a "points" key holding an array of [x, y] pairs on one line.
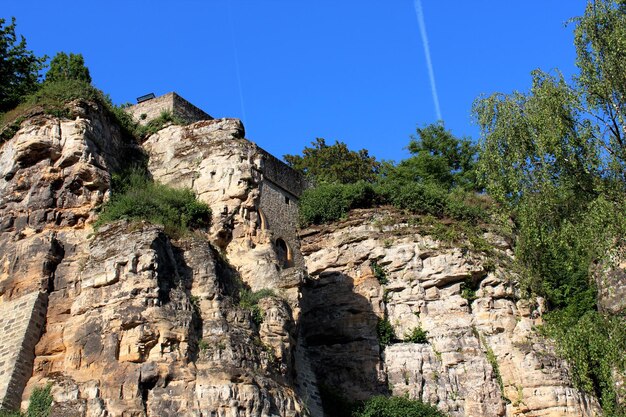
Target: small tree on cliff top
{"points": [[68, 67]]}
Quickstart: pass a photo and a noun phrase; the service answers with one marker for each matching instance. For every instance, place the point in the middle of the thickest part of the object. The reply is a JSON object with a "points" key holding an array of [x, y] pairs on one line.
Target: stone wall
{"points": [[282, 175], [280, 190], [170, 102], [21, 322], [280, 211]]}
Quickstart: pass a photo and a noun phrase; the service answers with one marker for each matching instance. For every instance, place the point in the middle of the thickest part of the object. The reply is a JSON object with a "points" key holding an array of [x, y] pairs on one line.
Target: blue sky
{"points": [[294, 70]]}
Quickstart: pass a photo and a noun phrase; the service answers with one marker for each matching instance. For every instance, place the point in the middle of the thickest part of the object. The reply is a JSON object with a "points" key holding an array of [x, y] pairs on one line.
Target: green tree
{"points": [[555, 157], [68, 67], [600, 39], [19, 67], [439, 156], [334, 164]]}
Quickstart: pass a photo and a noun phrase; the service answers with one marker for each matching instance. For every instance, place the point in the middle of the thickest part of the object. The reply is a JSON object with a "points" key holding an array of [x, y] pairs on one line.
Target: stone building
{"points": [[152, 108], [280, 186]]}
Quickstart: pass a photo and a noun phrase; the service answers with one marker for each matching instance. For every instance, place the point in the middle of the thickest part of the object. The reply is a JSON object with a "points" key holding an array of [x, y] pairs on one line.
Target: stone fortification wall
{"points": [[280, 188], [282, 175], [280, 210], [170, 102], [21, 322]]}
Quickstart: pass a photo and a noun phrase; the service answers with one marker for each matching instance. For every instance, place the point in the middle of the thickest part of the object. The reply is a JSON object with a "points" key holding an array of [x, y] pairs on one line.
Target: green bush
{"points": [[52, 97], [40, 402], [379, 273], [594, 346], [250, 301], [385, 332], [157, 124], [39, 406], [416, 197], [135, 197], [417, 335], [331, 202], [380, 406]]}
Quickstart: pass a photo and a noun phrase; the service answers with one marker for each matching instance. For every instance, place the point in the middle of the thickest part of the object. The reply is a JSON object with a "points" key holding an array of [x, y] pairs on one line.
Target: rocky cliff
{"points": [[133, 322]]}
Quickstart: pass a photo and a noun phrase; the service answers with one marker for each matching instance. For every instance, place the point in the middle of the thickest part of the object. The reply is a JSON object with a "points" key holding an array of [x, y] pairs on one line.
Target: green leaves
{"points": [[536, 140], [380, 406], [594, 345], [334, 164], [135, 197], [65, 67], [19, 67], [556, 157], [330, 202], [440, 157]]}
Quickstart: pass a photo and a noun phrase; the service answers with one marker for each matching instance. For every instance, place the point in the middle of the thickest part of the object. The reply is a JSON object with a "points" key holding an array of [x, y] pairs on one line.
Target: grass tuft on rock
{"points": [[136, 197]]}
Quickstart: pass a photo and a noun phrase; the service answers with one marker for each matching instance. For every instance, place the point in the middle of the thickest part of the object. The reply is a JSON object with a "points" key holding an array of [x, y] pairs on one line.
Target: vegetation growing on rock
{"points": [[136, 197], [39, 404], [397, 406], [439, 179], [555, 157]]}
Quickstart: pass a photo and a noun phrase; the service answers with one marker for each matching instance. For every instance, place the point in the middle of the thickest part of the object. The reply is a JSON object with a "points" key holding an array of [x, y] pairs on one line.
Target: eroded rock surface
{"points": [[138, 324], [482, 356]]}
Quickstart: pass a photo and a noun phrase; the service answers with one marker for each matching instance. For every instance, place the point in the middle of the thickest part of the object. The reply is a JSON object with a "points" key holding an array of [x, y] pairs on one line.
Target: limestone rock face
{"points": [[225, 171], [481, 357], [611, 282], [138, 324]]}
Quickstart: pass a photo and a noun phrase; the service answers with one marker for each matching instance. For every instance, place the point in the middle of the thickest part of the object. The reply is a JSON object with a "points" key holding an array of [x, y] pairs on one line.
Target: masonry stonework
{"points": [[21, 323], [280, 190], [171, 102]]}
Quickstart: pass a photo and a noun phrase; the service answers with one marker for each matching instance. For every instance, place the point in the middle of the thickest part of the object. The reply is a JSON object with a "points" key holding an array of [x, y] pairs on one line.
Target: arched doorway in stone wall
{"points": [[283, 253]]}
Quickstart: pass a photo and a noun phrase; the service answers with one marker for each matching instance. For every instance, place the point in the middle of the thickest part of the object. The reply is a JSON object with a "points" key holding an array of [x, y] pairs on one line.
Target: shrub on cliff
{"points": [[39, 406], [380, 406], [135, 197], [330, 202], [439, 179], [52, 97]]}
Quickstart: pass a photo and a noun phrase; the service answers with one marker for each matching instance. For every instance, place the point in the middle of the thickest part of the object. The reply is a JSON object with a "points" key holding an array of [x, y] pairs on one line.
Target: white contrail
{"points": [[429, 63], [232, 33]]}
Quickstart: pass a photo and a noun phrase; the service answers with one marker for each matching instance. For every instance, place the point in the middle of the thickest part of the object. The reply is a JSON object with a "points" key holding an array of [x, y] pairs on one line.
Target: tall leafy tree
{"points": [[439, 157], [556, 157], [68, 67], [336, 163], [19, 67], [600, 39]]}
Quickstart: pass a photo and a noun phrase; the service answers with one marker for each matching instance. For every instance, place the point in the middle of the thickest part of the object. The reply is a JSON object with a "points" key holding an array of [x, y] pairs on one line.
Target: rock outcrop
{"points": [[138, 323], [482, 356]]}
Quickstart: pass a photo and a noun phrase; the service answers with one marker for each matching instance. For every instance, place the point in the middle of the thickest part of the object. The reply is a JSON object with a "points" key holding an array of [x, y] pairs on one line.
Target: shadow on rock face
{"points": [[339, 327]]}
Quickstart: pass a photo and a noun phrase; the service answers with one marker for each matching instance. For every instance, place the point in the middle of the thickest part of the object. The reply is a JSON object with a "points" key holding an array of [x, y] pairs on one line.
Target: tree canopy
{"points": [[556, 158], [68, 67], [336, 163], [438, 157], [19, 67]]}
